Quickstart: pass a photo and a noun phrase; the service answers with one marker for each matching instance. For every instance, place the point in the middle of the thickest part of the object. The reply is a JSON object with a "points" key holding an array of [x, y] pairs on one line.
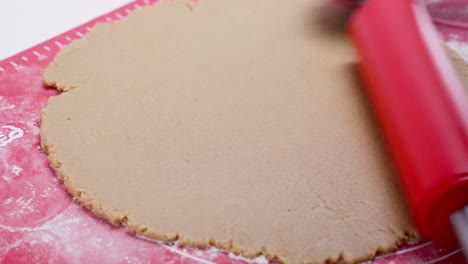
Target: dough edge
{"points": [[118, 218]]}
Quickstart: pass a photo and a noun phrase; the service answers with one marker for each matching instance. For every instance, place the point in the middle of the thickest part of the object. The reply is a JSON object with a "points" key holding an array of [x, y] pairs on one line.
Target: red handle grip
{"points": [[421, 107]]}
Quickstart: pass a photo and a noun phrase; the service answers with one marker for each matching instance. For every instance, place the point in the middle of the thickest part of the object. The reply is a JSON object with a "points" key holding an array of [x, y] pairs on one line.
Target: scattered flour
{"points": [[16, 170], [461, 48]]}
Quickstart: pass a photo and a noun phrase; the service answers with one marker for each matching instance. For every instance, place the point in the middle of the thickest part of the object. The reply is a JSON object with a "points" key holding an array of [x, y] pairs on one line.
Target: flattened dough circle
{"points": [[238, 124]]}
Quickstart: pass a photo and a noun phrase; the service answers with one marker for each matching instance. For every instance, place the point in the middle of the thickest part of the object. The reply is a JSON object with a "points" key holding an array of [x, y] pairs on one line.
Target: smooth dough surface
{"points": [[239, 124]]}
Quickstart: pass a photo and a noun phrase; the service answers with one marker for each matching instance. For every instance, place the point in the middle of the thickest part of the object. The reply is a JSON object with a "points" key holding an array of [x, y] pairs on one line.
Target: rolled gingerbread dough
{"points": [[239, 124]]}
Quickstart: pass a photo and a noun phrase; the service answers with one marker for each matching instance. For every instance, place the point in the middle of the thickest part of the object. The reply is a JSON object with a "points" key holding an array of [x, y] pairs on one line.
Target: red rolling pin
{"points": [[422, 109]]}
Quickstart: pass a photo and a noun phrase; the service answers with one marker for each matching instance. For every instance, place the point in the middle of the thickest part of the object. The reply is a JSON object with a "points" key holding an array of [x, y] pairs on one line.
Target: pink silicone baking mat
{"points": [[40, 222]]}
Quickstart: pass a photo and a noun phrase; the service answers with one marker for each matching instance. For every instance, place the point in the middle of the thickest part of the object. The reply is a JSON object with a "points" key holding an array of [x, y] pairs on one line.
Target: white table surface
{"points": [[25, 23]]}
